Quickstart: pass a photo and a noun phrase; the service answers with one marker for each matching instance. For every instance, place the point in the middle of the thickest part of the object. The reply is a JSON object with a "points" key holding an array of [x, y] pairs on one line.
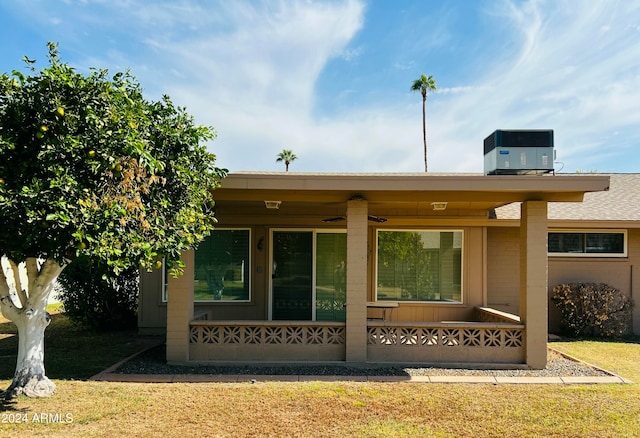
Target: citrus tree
{"points": [[88, 166]]}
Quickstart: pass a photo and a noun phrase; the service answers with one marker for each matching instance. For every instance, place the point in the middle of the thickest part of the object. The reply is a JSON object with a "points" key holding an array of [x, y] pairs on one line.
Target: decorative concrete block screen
{"points": [[447, 342], [266, 341], [388, 342]]}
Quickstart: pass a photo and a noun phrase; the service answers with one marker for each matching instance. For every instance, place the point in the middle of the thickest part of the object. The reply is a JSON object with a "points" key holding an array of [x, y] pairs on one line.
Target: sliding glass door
{"points": [[292, 275], [308, 276]]}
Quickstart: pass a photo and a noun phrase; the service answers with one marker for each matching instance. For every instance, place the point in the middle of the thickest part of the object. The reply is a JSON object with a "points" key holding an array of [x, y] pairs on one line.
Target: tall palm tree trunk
{"points": [[424, 128], [423, 84]]}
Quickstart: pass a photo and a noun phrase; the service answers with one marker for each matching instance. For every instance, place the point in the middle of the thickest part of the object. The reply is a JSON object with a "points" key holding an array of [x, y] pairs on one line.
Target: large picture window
{"points": [[597, 243], [221, 270], [419, 265]]}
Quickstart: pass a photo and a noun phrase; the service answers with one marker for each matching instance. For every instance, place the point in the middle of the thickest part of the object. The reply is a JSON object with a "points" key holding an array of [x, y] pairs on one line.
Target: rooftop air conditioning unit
{"points": [[519, 152]]}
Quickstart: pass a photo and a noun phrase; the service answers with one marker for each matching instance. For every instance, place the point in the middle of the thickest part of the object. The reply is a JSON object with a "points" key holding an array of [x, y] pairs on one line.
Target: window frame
{"points": [[423, 230], [584, 232], [165, 283], [248, 300]]}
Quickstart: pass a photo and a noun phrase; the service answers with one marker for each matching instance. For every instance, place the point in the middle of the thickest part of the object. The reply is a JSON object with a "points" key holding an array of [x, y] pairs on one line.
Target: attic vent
{"points": [[519, 152]]}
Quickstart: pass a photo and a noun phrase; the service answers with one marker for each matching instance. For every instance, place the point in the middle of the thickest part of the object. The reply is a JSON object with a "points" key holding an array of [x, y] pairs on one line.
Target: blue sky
{"points": [[330, 80]]}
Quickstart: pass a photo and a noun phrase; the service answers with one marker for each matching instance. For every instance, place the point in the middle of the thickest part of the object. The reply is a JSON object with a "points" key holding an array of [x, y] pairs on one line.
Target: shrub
{"points": [[593, 310], [92, 295]]}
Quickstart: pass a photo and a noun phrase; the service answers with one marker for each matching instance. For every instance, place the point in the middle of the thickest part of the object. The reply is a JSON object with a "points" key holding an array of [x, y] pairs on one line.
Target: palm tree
{"points": [[287, 156], [423, 84]]}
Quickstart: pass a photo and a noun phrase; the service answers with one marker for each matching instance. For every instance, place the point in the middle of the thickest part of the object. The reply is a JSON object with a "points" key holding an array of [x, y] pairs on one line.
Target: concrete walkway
{"points": [[246, 378], [109, 375]]}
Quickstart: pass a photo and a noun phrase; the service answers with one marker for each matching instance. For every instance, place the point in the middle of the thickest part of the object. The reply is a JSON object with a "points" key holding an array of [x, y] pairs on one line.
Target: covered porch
{"points": [[453, 326], [496, 338]]}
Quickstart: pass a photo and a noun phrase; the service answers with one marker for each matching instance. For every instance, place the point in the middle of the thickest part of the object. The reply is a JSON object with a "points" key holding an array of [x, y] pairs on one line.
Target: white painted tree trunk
{"points": [[31, 317]]}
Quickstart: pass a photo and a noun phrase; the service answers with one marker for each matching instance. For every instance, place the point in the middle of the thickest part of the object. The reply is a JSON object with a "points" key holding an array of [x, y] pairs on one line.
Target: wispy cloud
{"points": [[576, 70], [251, 69], [256, 83], [569, 75], [456, 90]]}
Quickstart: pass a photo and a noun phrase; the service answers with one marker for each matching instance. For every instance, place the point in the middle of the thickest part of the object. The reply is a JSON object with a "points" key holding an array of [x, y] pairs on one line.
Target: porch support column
{"points": [[356, 324], [533, 281], [180, 311]]}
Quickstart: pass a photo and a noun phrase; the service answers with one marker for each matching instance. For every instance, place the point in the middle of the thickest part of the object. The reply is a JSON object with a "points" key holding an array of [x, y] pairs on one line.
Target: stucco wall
{"points": [[503, 275], [152, 312]]}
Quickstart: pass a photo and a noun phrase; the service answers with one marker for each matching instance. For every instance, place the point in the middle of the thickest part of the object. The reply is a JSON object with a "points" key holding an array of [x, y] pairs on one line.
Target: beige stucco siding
{"points": [[152, 312], [503, 274]]}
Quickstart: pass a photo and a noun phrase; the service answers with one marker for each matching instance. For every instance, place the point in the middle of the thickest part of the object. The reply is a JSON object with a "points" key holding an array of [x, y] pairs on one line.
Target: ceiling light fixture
{"points": [[272, 205], [439, 206]]}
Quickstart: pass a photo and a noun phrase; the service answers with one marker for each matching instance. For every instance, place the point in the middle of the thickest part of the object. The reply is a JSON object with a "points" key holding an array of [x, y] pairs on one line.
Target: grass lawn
{"points": [[313, 409]]}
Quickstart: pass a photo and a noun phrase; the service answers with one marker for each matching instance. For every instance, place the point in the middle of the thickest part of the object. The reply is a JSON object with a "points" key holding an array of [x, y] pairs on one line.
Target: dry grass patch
{"points": [[316, 409], [622, 358]]}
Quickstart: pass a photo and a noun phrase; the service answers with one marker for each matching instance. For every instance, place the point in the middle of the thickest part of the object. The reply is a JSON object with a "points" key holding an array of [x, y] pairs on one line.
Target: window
{"points": [[597, 243], [419, 266], [221, 270]]}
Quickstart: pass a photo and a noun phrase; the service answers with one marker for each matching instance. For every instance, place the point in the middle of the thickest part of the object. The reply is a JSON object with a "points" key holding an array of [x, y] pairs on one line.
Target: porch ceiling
{"points": [[329, 192]]}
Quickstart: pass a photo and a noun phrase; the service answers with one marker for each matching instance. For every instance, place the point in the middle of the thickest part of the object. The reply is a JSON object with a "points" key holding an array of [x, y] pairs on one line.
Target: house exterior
{"points": [[387, 268], [603, 245]]}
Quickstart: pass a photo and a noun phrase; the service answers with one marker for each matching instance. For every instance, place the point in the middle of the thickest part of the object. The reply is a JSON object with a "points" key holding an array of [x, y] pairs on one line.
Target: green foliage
{"points": [[287, 156], [424, 84], [593, 310], [88, 166], [94, 297]]}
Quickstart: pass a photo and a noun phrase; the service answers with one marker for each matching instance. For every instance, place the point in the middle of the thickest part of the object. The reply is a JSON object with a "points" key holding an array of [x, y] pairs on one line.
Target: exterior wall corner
{"points": [[180, 311]]}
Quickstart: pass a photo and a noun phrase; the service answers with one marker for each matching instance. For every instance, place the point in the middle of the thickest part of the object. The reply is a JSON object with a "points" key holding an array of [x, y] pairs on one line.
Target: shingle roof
{"points": [[620, 203]]}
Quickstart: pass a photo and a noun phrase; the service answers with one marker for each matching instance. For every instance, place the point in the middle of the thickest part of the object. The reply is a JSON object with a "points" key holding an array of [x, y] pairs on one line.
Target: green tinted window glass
{"points": [[419, 266], [331, 276], [222, 267]]}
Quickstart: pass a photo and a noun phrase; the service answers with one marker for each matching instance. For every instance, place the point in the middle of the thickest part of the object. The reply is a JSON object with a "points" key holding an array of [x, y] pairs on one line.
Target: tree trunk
{"points": [[29, 378], [424, 128], [31, 318]]}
